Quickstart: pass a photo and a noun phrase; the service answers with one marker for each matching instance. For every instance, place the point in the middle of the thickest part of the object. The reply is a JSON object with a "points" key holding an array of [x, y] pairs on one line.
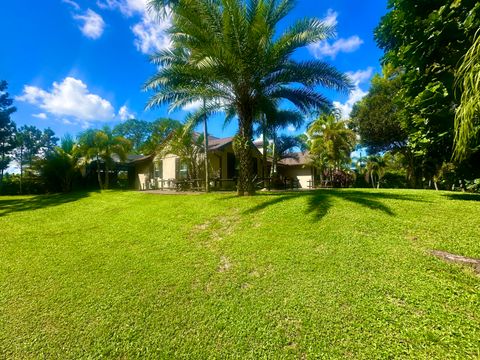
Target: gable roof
{"points": [[294, 159]]}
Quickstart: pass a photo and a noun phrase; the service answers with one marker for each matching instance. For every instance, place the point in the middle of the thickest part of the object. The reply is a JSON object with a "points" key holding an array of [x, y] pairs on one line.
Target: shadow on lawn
{"points": [[320, 201], [463, 196], [8, 206]]}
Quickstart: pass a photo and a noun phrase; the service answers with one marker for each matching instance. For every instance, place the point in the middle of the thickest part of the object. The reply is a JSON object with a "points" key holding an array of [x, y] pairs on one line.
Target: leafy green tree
{"points": [[467, 119], [375, 170], [60, 166], [427, 40], [377, 117], [160, 131], [136, 131], [229, 54], [101, 146], [7, 128]]}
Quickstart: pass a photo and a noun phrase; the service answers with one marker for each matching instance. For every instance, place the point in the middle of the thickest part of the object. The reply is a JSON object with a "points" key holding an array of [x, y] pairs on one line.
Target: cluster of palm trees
{"points": [[94, 146], [229, 55]]}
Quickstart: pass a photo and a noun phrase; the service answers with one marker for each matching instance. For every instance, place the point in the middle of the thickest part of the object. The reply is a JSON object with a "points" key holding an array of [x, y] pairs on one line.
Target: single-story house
{"points": [[160, 172]]}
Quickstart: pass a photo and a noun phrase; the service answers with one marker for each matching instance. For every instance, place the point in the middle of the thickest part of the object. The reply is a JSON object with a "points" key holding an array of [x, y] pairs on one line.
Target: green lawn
{"points": [[326, 274]]}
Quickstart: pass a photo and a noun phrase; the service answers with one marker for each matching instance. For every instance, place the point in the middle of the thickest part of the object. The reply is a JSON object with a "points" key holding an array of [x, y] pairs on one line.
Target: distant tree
{"points": [[375, 170], [29, 141], [60, 166], [49, 142], [136, 131], [160, 131], [377, 118], [7, 128], [100, 146]]}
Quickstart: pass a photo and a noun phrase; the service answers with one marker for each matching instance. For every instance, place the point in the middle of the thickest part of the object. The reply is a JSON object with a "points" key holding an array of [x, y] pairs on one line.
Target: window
{"points": [[158, 169], [183, 171]]}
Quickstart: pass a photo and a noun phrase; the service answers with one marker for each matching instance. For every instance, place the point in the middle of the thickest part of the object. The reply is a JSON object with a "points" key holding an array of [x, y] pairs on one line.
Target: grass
{"points": [[325, 274]]}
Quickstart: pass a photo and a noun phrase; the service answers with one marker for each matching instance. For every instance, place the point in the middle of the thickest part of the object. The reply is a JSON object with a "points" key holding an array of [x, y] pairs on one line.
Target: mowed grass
{"points": [[324, 274]]}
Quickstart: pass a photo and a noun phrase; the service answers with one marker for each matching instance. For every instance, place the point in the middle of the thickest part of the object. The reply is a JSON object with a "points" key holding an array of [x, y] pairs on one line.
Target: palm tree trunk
{"points": [[99, 178], [243, 151], [205, 134], [264, 152]]}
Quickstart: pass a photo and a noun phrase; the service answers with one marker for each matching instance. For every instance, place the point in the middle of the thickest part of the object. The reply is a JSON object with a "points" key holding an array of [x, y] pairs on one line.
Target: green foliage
{"points": [[136, 131], [228, 53], [129, 275], [467, 119], [159, 133], [427, 40], [377, 117], [7, 128]]}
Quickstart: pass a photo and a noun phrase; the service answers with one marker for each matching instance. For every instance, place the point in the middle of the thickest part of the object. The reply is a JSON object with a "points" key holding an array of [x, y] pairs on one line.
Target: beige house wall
{"points": [[302, 173]]}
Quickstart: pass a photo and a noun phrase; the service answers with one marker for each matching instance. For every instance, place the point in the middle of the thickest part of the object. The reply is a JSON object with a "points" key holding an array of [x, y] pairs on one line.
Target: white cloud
{"points": [[331, 18], [358, 77], [92, 24], [40, 115], [323, 49], [69, 98], [72, 3], [125, 114], [193, 106], [291, 128], [150, 32]]}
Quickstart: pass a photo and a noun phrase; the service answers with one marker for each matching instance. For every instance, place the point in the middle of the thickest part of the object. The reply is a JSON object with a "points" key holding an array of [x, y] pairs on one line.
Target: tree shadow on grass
{"points": [[19, 204], [463, 196], [320, 201]]}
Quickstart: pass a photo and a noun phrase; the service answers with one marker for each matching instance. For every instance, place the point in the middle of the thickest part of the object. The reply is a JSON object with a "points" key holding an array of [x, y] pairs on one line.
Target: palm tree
{"points": [[467, 118], [227, 53], [101, 145], [330, 143], [375, 170]]}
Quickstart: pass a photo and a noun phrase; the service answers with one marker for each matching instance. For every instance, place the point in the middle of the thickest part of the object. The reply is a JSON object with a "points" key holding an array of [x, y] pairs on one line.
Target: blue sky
{"points": [[77, 64]]}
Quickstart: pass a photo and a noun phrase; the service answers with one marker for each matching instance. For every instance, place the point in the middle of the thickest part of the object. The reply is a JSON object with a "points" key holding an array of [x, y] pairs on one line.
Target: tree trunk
{"points": [[107, 175], [205, 134], [264, 153], [99, 178], [243, 151]]}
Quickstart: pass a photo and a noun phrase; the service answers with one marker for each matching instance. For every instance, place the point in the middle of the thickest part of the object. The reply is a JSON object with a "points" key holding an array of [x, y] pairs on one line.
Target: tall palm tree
{"points": [[100, 146], [227, 52], [375, 170]]}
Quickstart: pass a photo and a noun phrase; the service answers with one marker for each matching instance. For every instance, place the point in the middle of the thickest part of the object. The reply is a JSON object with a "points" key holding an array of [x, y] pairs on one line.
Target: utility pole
{"points": [[205, 136]]}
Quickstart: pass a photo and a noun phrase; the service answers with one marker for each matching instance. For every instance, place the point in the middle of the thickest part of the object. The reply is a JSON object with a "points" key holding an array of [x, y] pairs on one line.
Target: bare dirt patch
{"points": [[458, 259]]}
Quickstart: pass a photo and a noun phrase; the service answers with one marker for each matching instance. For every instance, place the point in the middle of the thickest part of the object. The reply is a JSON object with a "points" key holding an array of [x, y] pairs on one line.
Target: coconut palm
{"points": [[467, 119], [228, 53], [101, 146]]}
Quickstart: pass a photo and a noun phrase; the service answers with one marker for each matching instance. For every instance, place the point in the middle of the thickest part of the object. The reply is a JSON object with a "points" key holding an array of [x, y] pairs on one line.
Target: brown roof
{"points": [[217, 144], [297, 158]]}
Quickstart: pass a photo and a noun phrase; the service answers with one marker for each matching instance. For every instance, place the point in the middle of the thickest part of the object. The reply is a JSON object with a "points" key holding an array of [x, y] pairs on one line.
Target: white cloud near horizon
{"points": [[358, 77], [69, 98], [150, 32], [92, 24], [125, 114]]}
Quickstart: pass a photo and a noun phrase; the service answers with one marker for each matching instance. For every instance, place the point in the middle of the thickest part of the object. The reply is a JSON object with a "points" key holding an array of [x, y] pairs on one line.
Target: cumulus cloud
{"points": [[125, 114], [358, 77], [193, 106], [150, 32], [92, 24], [70, 98], [323, 49]]}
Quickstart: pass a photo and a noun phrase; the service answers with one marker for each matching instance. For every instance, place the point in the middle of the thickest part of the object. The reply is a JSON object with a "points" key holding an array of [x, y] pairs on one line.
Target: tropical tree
{"points": [[467, 118], [102, 146], [330, 143], [375, 170], [228, 53], [160, 131], [59, 167], [137, 131], [189, 147]]}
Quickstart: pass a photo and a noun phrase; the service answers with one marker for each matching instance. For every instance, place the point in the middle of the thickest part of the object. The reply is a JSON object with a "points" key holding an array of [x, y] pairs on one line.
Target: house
{"points": [[168, 171]]}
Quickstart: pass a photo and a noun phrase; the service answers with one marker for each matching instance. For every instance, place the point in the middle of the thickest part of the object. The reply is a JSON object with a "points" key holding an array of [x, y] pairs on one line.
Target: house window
{"points": [[183, 171], [159, 169]]}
